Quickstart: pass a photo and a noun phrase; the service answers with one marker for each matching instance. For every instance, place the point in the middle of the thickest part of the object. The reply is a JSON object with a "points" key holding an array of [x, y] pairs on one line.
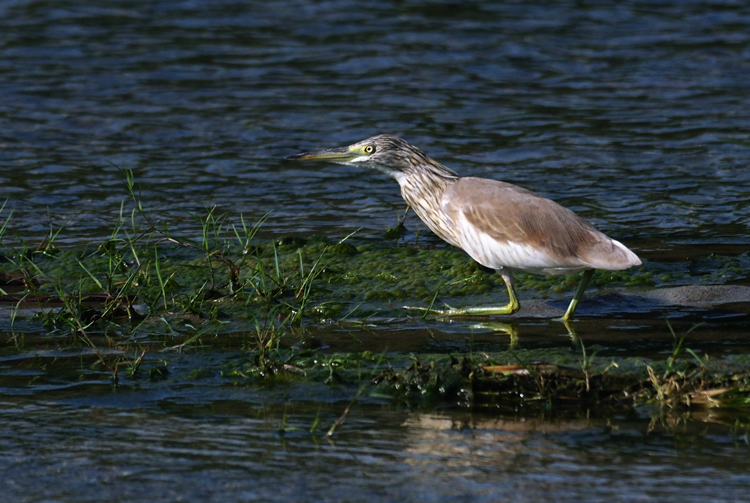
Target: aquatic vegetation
{"points": [[145, 274], [145, 288], [143, 271], [561, 379]]}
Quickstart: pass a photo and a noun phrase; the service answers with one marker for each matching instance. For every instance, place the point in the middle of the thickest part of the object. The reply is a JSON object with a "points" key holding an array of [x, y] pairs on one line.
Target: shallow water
{"points": [[208, 439], [633, 114], [197, 433], [232, 451]]}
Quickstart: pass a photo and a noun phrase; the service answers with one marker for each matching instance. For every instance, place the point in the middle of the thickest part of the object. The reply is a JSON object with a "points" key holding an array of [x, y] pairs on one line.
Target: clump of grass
{"points": [[685, 383], [144, 273]]}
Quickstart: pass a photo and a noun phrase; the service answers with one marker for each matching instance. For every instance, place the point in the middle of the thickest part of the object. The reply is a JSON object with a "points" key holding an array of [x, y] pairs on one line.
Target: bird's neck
{"points": [[423, 190], [420, 187]]}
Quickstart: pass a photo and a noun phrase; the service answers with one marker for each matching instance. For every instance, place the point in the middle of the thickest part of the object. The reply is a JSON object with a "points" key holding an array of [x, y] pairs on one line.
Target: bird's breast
{"points": [[425, 198]]}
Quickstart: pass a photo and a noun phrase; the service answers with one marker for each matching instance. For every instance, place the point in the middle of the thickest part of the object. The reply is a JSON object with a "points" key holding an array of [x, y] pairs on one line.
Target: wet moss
{"points": [[297, 274], [345, 249]]}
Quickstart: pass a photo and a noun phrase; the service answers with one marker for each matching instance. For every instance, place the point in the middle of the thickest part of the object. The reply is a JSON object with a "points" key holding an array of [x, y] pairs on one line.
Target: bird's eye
{"points": [[369, 149]]}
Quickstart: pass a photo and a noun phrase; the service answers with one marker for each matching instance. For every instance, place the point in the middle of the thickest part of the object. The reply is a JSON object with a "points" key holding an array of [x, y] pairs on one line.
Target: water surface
{"points": [[634, 114]]}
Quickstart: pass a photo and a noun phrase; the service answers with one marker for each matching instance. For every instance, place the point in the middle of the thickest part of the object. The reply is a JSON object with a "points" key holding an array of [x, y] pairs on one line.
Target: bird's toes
{"points": [[428, 310]]}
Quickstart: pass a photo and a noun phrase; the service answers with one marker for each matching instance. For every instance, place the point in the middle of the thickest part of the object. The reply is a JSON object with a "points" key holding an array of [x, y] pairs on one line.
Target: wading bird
{"points": [[501, 226]]}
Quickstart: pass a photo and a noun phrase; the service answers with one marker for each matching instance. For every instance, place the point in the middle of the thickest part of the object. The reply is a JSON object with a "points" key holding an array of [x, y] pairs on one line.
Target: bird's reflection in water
{"points": [[515, 333]]}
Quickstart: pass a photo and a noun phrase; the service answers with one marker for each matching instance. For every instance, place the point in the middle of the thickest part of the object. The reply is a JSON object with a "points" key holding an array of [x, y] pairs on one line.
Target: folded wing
{"points": [[501, 225]]}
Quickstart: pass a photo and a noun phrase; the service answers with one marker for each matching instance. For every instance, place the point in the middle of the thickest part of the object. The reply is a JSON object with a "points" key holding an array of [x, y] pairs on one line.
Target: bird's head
{"points": [[386, 153]]}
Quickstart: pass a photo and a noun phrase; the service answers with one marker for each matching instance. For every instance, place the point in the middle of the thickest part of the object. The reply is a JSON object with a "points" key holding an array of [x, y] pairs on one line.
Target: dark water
{"points": [[234, 452], [209, 439], [634, 114]]}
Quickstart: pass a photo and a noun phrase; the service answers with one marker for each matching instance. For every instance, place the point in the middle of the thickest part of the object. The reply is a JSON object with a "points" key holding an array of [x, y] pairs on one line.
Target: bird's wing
{"points": [[500, 224]]}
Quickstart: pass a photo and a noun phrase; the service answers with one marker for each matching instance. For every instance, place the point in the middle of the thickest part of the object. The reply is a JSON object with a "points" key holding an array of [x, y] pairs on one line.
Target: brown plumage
{"points": [[511, 214], [500, 225]]}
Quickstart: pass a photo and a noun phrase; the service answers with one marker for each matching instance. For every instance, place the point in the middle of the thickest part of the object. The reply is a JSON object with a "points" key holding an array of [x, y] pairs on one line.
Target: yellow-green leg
{"points": [[512, 307], [579, 293]]}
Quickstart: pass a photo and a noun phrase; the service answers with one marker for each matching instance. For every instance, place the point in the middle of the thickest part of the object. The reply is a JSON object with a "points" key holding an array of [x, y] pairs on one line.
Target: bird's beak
{"points": [[343, 154]]}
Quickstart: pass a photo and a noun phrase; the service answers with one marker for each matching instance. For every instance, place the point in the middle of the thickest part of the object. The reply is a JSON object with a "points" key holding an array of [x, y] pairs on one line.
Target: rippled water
{"points": [[229, 450], [634, 114]]}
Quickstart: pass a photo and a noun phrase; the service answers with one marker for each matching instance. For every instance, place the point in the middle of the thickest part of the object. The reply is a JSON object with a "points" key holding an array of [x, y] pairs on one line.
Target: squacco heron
{"points": [[502, 226]]}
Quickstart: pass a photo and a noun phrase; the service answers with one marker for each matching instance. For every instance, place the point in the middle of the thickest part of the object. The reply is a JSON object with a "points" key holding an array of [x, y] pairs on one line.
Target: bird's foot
{"points": [[468, 311], [448, 311]]}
